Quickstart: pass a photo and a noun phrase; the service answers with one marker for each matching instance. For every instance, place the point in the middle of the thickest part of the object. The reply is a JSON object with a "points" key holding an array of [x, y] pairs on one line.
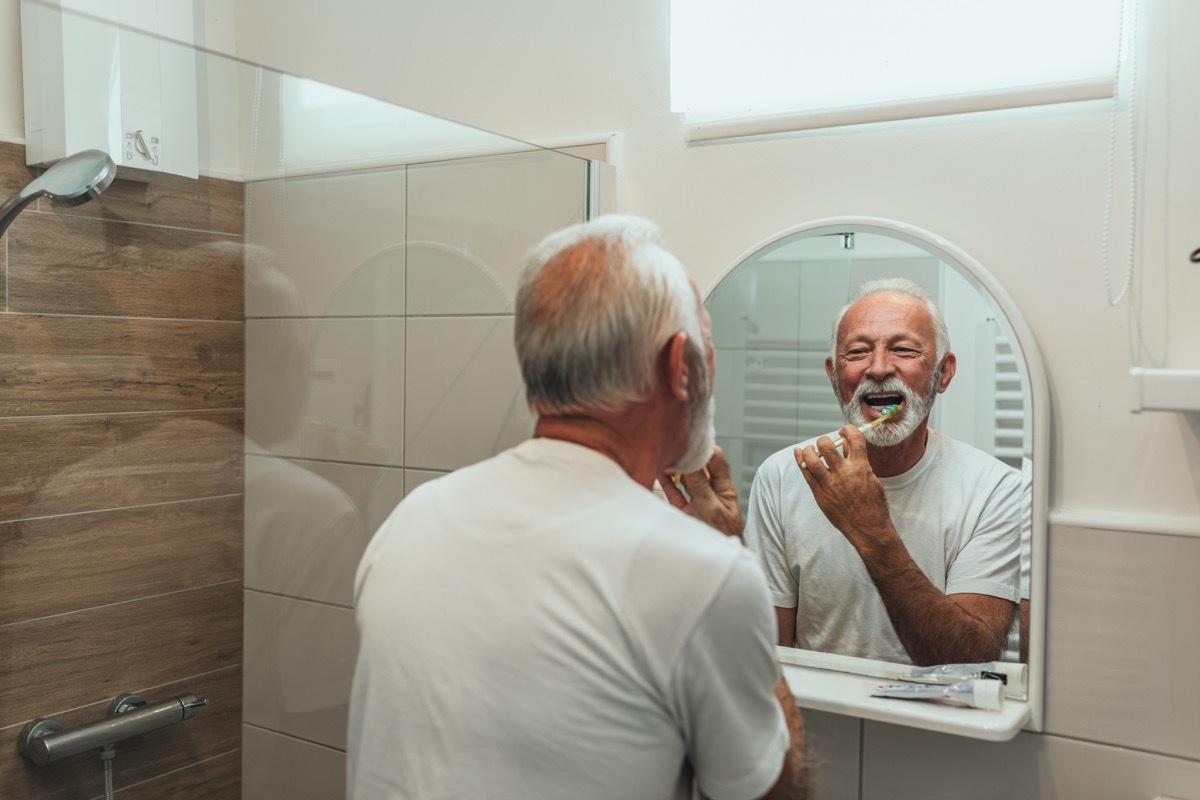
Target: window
{"points": [[826, 63]]}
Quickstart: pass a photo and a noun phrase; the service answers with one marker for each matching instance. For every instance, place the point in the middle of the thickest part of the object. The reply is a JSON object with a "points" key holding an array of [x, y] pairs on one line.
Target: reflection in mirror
{"points": [[772, 319]]}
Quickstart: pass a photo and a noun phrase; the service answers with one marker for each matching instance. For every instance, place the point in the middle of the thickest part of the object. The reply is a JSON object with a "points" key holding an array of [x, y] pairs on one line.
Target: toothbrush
{"points": [[888, 413]]}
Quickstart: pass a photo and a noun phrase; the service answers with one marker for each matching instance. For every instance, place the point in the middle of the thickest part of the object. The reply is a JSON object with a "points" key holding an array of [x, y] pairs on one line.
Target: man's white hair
{"points": [[897, 286], [596, 303]]}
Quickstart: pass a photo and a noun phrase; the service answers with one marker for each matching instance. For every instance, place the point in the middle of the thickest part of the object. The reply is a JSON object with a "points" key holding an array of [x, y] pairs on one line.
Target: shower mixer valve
{"points": [[45, 740]]}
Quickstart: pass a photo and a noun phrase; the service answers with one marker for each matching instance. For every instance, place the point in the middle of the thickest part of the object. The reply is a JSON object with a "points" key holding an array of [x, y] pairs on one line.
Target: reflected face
{"points": [[886, 353]]}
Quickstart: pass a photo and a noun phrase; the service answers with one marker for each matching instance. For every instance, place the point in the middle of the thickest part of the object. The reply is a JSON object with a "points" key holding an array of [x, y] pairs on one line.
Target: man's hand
{"points": [[847, 491], [711, 496]]}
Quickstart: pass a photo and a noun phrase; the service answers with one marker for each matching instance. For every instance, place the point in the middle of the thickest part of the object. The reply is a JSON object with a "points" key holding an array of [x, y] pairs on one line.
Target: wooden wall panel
{"points": [[206, 204], [85, 657], [65, 465], [121, 477], [60, 264], [92, 365], [54, 565], [219, 778], [212, 738]]}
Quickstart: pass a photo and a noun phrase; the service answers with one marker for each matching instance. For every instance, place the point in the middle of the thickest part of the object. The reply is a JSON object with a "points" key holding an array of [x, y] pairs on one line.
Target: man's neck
{"points": [[888, 462], [626, 437]]}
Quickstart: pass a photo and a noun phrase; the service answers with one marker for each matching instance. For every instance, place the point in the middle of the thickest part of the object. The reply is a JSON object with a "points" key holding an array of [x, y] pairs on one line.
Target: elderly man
{"points": [[541, 625], [906, 547]]}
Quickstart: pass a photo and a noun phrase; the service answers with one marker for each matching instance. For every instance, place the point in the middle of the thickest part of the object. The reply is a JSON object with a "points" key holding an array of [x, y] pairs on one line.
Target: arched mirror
{"points": [[772, 317]]}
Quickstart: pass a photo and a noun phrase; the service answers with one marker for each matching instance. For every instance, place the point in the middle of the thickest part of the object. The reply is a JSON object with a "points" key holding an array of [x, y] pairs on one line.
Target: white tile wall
{"points": [[1122, 647], [276, 767], [909, 764], [352, 408], [307, 524], [415, 477], [833, 754], [471, 223], [379, 356], [464, 398], [298, 666], [339, 238]]}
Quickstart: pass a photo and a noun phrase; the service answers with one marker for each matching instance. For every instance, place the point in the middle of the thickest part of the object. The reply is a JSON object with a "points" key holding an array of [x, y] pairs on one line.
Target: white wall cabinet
{"points": [[114, 75]]}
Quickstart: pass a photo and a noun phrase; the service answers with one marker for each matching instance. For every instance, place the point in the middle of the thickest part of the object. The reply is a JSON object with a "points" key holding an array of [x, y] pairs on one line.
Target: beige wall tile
{"points": [[278, 767], [908, 764], [464, 398], [299, 665], [339, 238], [330, 389], [307, 524], [471, 223], [1121, 639]]}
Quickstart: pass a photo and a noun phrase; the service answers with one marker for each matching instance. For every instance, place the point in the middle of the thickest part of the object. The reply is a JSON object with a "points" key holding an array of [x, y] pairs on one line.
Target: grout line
{"points": [[148, 412], [101, 218], [60, 314], [128, 786], [122, 508], [120, 603], [444, 315], [292, 736], [862, 755], [328, 461], [181, 679], [282, 596]]}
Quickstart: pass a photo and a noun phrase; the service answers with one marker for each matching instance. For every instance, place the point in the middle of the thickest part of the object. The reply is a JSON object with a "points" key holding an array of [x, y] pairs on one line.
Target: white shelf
{"points": [[1165, 389], [849, 694]]}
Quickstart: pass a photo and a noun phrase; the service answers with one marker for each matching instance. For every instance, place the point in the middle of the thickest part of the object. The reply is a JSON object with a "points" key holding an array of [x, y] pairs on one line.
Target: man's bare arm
{"points": [[793, 779], [934, 628], [785, 620]]}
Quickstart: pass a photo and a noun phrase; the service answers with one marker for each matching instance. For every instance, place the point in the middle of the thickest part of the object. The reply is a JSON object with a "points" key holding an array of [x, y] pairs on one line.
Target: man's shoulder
{"points": [[781, 462], [966, 456]]}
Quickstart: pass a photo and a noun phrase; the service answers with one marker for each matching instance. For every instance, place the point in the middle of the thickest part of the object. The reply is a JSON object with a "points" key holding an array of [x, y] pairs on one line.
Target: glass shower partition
{"points": [[308, 319], [383, 249]]}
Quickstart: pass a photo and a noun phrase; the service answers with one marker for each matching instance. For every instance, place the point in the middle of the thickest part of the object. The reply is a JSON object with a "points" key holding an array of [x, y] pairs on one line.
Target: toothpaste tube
{"points": [[972, 693], [953, 673]]}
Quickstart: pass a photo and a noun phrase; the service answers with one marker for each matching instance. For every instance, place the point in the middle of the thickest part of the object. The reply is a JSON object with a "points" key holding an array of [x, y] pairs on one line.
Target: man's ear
{"points": [[829, 369], [678, 376], [949, 365]]}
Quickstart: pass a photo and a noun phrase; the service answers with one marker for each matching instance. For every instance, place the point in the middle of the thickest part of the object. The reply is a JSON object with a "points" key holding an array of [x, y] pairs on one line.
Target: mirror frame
{"points": [[1039, 431]]}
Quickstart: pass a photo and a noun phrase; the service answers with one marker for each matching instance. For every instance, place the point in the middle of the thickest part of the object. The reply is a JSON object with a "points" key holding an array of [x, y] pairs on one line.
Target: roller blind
{"points": [[773, 58]]}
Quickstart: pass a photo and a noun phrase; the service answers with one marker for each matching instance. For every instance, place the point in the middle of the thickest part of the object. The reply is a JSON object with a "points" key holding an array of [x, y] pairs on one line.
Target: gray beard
{"points": [[894, 431], [701, 418], [702, 437]]}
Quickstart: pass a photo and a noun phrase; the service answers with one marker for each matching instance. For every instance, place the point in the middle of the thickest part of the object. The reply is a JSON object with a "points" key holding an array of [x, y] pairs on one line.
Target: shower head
{"points": [[71, 182]]}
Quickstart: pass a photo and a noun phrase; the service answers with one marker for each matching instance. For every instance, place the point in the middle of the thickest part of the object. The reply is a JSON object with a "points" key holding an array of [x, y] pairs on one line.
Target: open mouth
{"points": [[881, 400]]}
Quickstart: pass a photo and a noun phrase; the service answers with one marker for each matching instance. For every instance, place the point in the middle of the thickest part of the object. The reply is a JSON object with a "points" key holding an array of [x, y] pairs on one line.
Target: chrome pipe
{"points": [[45, 740]]}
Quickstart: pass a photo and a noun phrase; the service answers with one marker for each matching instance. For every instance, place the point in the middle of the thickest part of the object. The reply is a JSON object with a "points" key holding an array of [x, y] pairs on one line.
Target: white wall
{"points": [[1023, 192]]}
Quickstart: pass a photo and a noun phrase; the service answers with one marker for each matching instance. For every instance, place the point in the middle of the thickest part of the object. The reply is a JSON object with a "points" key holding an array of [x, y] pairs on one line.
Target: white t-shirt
{"points": [[540, 626], [957, 510]]}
